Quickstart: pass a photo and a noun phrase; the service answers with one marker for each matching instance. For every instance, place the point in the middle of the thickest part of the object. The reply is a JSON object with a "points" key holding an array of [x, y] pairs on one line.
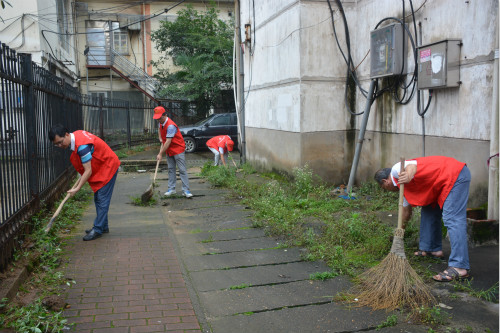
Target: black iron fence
{"points": [[32, 170]]}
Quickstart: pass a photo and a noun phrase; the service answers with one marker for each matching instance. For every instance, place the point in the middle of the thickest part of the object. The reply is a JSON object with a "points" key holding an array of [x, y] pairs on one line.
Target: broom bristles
{"points": [[393, 283]]}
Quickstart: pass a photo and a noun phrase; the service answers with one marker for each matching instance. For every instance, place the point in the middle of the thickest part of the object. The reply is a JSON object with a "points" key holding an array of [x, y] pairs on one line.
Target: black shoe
{"points": [[91, 235], [89, 230]]}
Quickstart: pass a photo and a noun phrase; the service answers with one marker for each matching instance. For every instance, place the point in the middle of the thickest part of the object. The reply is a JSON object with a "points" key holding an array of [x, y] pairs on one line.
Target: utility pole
{"points": [[240, 81]]}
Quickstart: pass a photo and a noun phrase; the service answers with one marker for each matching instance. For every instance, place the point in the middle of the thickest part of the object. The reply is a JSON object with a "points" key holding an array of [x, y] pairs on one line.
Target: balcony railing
{"points": [[101, 57]]}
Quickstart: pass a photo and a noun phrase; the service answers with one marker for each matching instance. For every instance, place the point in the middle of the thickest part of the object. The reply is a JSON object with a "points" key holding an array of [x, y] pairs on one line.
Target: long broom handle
{"points": [[49, 225], [232, 159], [401, 196], [157, 164]]}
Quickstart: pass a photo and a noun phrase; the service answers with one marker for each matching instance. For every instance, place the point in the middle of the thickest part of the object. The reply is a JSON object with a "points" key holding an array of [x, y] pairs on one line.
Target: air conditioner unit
{"points": [[134, 23]]}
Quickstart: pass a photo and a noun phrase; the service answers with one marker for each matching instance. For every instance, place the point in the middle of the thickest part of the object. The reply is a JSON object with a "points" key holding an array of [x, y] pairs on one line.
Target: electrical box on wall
{"points": [[387, 51], [439, 64]]}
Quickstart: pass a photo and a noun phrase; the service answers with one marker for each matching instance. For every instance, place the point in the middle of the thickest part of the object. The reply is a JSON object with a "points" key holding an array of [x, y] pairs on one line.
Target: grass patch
{"points": [[391, 320], [28, 312], [347, 234], [323, 275], [125, 152], [490, 295], [137, 201]]}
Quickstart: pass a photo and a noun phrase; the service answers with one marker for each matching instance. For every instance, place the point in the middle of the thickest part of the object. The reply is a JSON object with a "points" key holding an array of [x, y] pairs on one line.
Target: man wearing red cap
{"points": [[220, 145], [173, 145]]}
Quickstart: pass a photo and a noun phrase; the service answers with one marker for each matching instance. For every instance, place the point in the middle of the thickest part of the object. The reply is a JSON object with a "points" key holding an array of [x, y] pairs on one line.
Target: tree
{"points": [[200, 46]]}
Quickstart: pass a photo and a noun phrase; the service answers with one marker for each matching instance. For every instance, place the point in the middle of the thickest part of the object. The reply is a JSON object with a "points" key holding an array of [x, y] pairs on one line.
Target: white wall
{"points": [[22, 27], [295, 80]]}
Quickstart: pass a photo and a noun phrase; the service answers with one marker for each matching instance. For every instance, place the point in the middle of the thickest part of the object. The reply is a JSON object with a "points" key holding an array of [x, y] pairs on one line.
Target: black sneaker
{"points": [[89, 230], [91, 235]]}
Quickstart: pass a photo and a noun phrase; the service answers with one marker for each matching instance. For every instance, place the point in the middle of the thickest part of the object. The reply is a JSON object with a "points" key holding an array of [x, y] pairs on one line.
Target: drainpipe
{"points": [[361, 136], [240, 81], [144, 38], [493, 165]]}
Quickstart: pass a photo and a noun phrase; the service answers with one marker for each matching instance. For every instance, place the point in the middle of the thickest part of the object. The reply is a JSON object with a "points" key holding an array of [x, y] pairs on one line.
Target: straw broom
{"points": [[393, 283]]}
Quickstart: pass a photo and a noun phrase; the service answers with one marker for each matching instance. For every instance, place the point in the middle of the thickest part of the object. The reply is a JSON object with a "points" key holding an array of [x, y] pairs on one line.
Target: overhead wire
{"points": [[121, 27], [402, 90], [351, 72]]}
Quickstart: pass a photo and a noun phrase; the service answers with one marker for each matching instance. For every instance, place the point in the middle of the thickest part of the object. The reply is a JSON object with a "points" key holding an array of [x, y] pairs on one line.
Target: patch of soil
{"points": [[54, 302], [23, 299]]}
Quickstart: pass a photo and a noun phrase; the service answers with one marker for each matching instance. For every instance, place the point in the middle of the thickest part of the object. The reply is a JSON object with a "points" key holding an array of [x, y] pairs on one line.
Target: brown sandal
{"points": [[451, 275]]}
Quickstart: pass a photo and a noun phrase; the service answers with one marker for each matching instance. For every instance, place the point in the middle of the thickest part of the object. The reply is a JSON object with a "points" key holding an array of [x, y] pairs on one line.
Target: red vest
{"points": [[433, 181], [219, 141], [177, 145], [104, 161]]}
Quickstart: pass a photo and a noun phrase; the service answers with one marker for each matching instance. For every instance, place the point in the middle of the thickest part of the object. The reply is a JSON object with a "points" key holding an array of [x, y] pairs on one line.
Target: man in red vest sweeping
{"points": [[220, 145], [440, 185], [96, 163], [173, 145]]}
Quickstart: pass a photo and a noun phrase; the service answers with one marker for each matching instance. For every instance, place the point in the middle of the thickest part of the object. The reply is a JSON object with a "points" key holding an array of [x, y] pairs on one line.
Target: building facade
{"points": [[295, 79]]}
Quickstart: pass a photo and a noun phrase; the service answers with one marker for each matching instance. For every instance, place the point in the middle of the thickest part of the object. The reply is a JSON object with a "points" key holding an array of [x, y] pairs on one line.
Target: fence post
{"points": [[64, 110], [30, 121], [129, 134], [101, 118]]}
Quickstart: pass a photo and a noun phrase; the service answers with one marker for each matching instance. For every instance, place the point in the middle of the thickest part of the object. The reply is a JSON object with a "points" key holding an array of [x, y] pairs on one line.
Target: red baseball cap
{"points": [[230, 145], [159, 110]]}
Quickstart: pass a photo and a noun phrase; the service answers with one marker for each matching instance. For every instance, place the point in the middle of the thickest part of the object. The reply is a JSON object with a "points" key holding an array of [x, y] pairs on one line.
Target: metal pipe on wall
{"points": [[361, 136], [240, 81], [493, 176]]}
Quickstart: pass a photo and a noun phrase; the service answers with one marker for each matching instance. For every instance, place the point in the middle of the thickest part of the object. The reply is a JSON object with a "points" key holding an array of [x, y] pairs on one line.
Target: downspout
{"points": [[493, 161], [240, 81], [144, 38]]}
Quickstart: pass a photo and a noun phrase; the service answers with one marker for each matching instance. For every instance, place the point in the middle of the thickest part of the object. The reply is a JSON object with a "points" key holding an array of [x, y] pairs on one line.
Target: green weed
{"points": [[35, 318], [210, 239], [241, 286], [136, 200], [247, 169], [121, 154], [433, 316], [323, 275], [490, 294], [44, 260], [392, 320]]}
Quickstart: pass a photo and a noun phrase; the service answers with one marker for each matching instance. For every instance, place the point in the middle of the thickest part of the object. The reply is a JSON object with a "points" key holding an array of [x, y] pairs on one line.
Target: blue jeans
{"points": [[454, 215], [102, 199], [178, 160]]}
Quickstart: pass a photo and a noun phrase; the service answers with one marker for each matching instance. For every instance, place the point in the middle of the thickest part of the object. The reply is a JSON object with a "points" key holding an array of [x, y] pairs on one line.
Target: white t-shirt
{"points": [[395, 175]]}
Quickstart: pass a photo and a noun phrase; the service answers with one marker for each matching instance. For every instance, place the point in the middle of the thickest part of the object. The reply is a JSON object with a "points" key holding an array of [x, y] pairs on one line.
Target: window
{"points": [[62, 23], [96, 42], [221, 121], [120, 38]]}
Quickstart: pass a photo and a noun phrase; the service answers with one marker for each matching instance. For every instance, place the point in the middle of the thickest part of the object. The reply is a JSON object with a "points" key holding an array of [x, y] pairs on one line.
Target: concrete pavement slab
{"points": [[239, 245], [211, 280], [241, 259], [264, 298], [330, 317]]}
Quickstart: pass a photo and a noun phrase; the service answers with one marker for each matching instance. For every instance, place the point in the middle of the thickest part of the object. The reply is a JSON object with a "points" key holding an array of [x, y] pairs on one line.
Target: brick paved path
{"points": [[128, 280]]}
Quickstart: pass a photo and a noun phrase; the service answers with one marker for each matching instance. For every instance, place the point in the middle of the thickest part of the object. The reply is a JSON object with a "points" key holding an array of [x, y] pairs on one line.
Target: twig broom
{"points": [[393, 283]]}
